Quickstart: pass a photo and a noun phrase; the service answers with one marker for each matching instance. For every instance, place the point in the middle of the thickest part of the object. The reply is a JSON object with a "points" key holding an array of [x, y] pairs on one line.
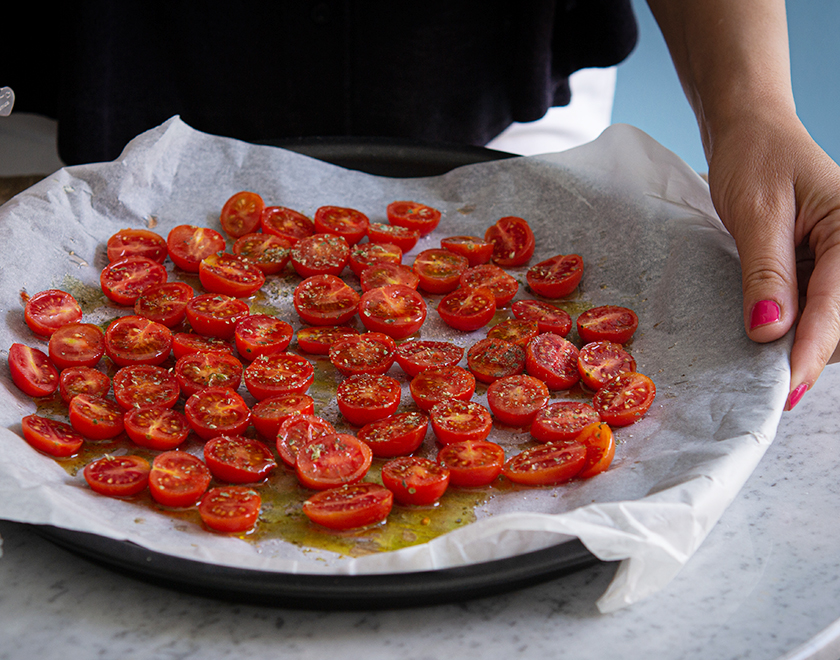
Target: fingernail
{"points": [[764, 312], [796, 395]]}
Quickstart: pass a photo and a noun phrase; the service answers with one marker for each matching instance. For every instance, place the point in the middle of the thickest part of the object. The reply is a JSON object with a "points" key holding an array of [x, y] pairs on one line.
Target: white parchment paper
{"points": [[646, 228]]}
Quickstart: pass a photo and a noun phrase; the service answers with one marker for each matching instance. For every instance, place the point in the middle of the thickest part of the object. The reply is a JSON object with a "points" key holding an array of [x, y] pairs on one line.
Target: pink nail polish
{"points": [[796, 395], [764, 312]]}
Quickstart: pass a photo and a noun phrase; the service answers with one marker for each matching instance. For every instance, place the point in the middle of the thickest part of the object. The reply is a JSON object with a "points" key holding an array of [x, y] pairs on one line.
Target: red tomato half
{"points": [[178, 479], [349, 507], [278, 373], [320, 254], [118, 476], [186, 343], [318, 339], [238, 460], [267, 252], [432, 386], [421, 354], [472, 463], [188, 246], [513, 241], [397, 435], [32, 370], [77, 345], [625, 399], [515, 331], [516, 400], [556, 277], [51, 436], [607, 323], [600, 449], [553, 360], [456, 420], [563, 420], [549, 318], [476, 250], [142, 385], [601, 361], [241, 213], [230, 275], [382, 274], [332, 460], [48, 310], [403, 237], [413, 215], [467, 309], [490, 359], [82, 380], [325, 300], [363, 398], [125, 280], [297, 430], [369, 353], [286, 223], [267, 415], [415, 480], [503, 286], [95, 417], [396, 310], [261, 334], [215, 314], [350, 224], [369, 254], [439, 270], [546, 465], [164, 303], [156, 428], [135, 340], [136, 243], [230, 509], [217, 411]]}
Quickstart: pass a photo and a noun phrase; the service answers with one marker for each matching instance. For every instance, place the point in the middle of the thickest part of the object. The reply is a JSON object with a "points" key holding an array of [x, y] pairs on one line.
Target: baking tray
{"points": [[383, 157]]}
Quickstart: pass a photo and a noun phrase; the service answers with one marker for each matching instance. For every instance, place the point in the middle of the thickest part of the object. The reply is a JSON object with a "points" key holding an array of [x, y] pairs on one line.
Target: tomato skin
{"points": [[278, 373], [267, 252], [546, 465], [230, 509], [549, 318], [349, 507], [95, 417], [350, 224], [188, 245], [51, 436], [456, 420], [82, 380], [230, 275], [421, 354], [395, 310], [516, 400], [368, 353], [216, 314], [125, 280], [32, 371], [118, 476], [382, 274], [368, 254], [397, 435], [142, 385], [513, 241], [403, 237], [156, 428], [332, 460], [48, 310], [77, 345], [601, 361], [286, 223], [217, 411], [178, 479], [164, 303], [268, 415], [297, 430], [414, 480], [238, 460], [563, 420], [325, 300], [439, 270], [136, 243], [556, 277], [600, 449], [413, 215], [135, 340], [472, 463], [318, 339], [364, 398], [467, 309], [261, 334], [503, 285], [624, 399], [553, 359], [476, 250], [241, 213], [607, 323], [490, 359], [433, 386], [320, 254]]}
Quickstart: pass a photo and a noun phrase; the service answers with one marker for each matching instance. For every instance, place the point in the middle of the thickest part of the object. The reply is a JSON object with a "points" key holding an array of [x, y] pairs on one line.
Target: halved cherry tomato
{"points": [[349, 507], [601, 361], [186, 343], [625, 399], [278, 373], [32, 371], [238, 460], [607, 323], [549, 318], [135, 340], [472, 463], [189, 245], [600, 449], [118, 476], [318, 339], [467, 309], [286, 223], [397, 435], [230, 275], [490, 359], [563, 420], [515, 400], [325, 300], [51, 436], [553, 360], [456, 420], [383, 274], [48, 310], [513, 241], [350, 224], [217, 411], [332, 460], [215, 314], [77, 345], [241, 213], [369, 353], [320, 254], [82, 380], [556, 277], [142, 385], [297, 430], [178, 479], [369, 254], [230, 509], [125, 280], [261, 334], [415, 480], [136, 243], [395, 310], [503, 285], [363, 398], [439, 270], [432, 386], [267, 415], [546, 465], [267, 252], [95, 417], [476, 250], [516, 331], [403, 237], [164, 303], [156, 428], [413, 215], [421, 354]]}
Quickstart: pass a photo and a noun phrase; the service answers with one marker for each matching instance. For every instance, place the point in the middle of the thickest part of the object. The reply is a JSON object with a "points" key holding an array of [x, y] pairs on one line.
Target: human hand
{"points": [[778, 194]]}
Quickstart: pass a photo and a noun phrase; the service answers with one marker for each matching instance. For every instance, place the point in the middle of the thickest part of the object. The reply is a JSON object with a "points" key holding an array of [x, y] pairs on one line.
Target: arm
{"points": [[775, 190]]}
